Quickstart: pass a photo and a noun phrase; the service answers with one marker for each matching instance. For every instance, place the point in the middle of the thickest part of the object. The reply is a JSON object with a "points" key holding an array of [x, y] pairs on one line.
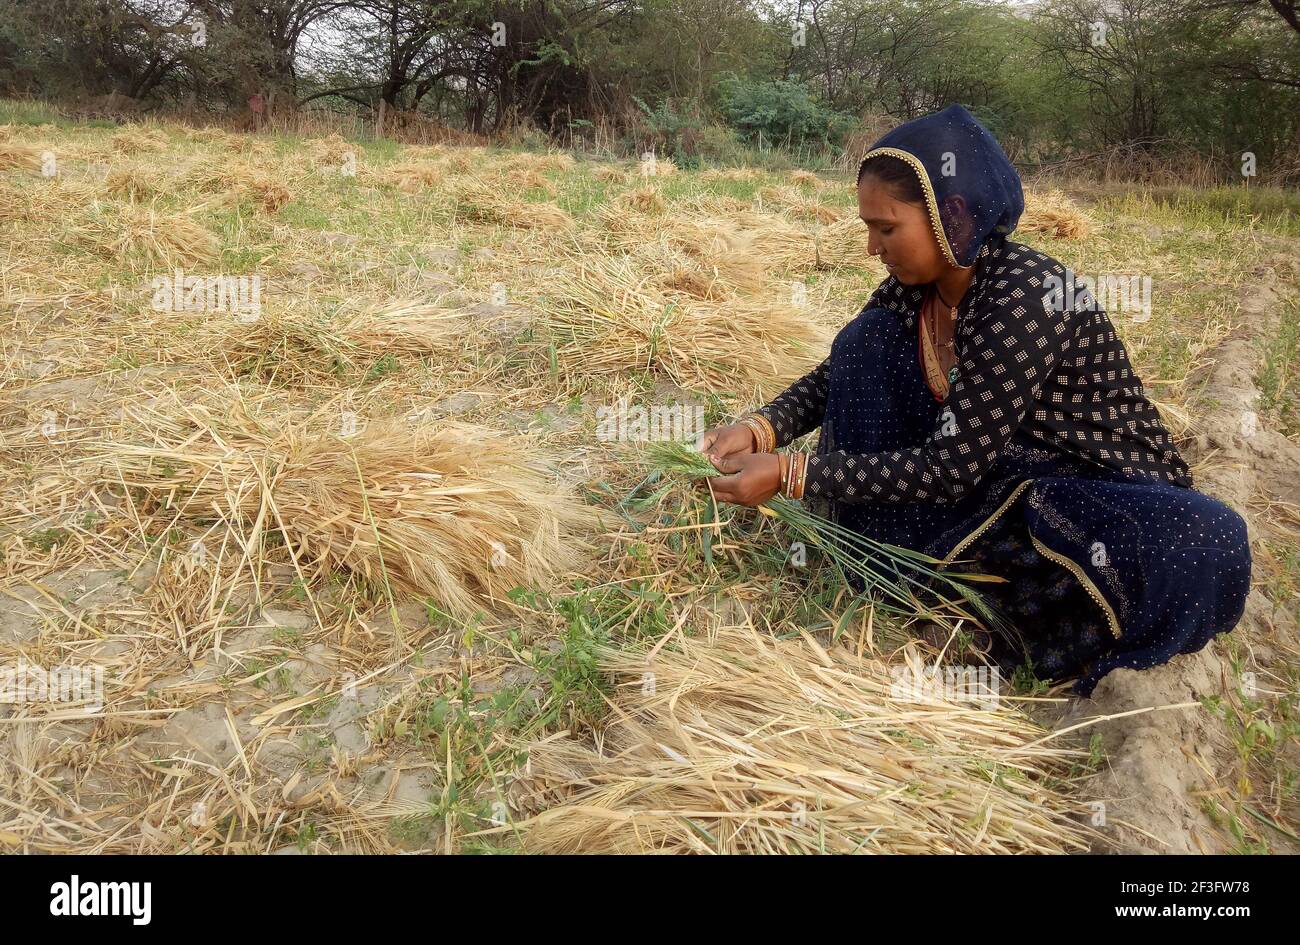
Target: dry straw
{"points": [[455, 512], [1053, 213], [135, 139], [135, 231], [19, 156], [413, 176], [606, 316], [242, 181], [736, 742], [133, 182], [483, 201], [301, 347]]}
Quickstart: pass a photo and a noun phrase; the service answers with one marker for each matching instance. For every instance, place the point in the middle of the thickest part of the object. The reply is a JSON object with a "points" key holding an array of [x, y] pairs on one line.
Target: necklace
{"points": [[932, 329]]}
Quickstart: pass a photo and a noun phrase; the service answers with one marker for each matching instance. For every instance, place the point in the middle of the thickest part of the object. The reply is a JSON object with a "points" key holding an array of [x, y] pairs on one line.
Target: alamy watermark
{"points": [[239, 295], [980, 685], [677, 422], [1108, 291], [28, 684]]}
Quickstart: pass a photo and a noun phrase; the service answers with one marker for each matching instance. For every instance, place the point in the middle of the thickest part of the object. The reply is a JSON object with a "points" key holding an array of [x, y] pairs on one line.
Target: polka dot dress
{"points": [[1046, 465], [1061, 377]]}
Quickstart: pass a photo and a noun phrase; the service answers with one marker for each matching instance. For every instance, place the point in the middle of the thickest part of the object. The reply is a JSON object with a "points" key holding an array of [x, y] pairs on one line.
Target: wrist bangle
{"points": [[764, 435], [793, 482]]}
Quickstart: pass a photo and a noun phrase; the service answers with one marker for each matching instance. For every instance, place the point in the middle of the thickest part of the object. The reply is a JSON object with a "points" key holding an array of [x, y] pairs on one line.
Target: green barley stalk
{"points": [[898, 574]]}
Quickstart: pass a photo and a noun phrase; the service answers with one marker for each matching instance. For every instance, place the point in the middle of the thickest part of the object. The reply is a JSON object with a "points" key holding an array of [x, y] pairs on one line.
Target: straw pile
{"points": [[606, 317], [134, 231], [132, 182], [456, 512], [300, 347], [731, 174], [740, 743], [18, 155], [1055, 214], [483, 202], [134, 139], [413, 176], [550, 161], [744, 247], [239, 181]]}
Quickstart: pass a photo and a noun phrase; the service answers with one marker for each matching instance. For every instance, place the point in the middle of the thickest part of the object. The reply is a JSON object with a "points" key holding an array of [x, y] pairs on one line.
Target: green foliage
{"points": [[779, 112], [684, 133]]}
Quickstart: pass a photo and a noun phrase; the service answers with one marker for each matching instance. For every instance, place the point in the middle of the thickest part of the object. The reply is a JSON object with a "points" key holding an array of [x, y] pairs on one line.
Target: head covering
{"points": [[971, 189]]}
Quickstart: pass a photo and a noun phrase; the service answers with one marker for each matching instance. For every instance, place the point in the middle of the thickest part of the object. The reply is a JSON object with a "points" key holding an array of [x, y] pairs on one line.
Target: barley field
{"points": [[324, 461]]}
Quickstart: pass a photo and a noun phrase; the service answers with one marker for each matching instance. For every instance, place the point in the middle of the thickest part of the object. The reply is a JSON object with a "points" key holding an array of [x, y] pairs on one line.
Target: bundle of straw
{"points": [[731, 174], [237, 181], [740, 743], [135, 231], [1053, 213], [412, 176], [905, 581], [481, 201], [310, 344], [455, 512], [605, 317], [770, 242], [407, 327], [134, 182], [18, 155], [133, 139]]}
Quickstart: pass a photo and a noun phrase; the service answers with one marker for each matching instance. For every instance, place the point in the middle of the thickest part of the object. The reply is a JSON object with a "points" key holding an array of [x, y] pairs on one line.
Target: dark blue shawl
{"points": [[972, 189]]}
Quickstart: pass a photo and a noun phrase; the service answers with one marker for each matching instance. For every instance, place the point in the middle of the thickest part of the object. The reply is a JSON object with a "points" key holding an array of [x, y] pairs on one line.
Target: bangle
{"points": [[764, 435], [783, 461], [792, 481]]}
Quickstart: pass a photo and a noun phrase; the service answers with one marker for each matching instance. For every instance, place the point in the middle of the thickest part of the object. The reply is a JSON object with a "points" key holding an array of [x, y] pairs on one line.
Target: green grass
{"points": [[1223, 209], [1278, 380]]}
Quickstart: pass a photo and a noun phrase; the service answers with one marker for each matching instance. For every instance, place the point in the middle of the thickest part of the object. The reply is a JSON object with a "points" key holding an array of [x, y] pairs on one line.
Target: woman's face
{"points": [[900, 234]]}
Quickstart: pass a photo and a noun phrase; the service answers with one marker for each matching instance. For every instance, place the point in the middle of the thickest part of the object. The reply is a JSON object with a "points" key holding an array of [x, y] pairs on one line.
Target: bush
{"points": [[780, 112], [684, 134]]}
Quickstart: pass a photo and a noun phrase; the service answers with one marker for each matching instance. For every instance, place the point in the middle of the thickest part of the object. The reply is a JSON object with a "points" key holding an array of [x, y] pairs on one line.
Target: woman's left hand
{"points": [[752, 478]]}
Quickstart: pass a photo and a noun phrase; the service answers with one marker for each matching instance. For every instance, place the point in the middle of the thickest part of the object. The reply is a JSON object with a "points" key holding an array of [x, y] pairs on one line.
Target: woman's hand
{"points": [[753, 478], [735, 439]]}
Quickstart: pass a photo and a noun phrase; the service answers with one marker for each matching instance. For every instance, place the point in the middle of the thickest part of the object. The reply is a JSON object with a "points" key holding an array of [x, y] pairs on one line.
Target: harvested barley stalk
{"points": [[301, 346], [456, 512], [1053, 213], [134, 139], [135, 231], [239, 181], [19, 155], [482, 201], [605, 317], [907, 582], [741, 743]]}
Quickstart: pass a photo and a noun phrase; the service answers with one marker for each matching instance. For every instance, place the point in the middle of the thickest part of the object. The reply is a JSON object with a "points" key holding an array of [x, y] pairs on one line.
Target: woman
{"points": [[983, 410]]}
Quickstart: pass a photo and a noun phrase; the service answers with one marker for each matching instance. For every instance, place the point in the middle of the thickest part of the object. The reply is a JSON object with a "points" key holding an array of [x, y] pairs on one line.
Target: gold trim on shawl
{"points": [[1066, 562]]}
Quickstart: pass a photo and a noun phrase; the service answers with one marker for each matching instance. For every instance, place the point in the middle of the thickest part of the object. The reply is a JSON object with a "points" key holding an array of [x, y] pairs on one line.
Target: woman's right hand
{"points": [[735, 439]]}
